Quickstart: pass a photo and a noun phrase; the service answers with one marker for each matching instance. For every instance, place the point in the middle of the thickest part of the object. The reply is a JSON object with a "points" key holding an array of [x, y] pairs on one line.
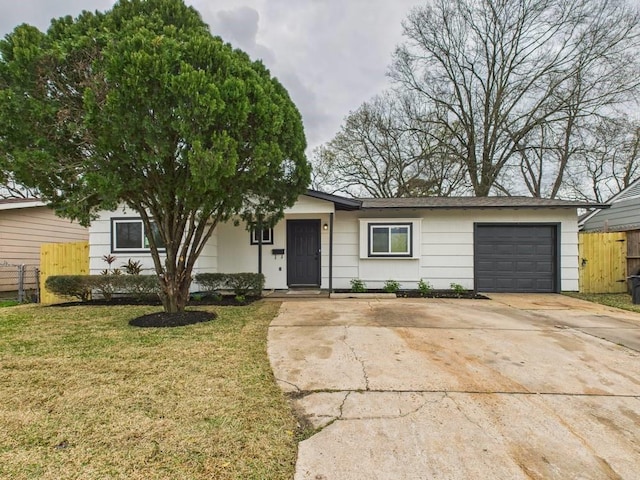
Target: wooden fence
{"points": [[603, 262], [62, 259]]}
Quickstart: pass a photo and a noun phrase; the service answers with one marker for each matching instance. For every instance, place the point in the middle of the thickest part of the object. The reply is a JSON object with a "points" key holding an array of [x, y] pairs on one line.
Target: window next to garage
{"points": [[390, 239], [129, 235]]}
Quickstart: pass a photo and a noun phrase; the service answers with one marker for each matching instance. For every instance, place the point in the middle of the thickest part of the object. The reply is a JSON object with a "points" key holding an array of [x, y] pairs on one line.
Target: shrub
{"points": [[240, 298], [457, 289], [78, 286], [212, 282], [358, 286], [139, 286], [246, 284], [106, 283], [242, 284], [424, 288], [391, 286]]}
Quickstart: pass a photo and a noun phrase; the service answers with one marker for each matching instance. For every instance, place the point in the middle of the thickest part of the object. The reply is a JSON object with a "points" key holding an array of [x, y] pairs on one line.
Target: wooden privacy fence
{"points": [[62, 259], [603, 262]]}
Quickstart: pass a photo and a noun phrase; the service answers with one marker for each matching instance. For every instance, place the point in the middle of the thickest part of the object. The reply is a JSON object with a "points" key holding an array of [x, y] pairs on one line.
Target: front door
{"points": [[303, 253]]}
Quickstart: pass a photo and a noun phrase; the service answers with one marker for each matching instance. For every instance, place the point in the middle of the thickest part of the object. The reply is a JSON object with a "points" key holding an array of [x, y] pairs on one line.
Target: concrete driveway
{"points": [[517, 387]]}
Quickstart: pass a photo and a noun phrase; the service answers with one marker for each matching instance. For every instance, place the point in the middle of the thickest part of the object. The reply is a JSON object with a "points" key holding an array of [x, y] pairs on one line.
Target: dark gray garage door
{"points": [[515, 258]]}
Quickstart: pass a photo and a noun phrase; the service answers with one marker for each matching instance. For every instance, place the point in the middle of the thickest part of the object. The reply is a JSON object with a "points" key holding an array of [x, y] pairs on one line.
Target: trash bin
{"points": [[635, 289]]}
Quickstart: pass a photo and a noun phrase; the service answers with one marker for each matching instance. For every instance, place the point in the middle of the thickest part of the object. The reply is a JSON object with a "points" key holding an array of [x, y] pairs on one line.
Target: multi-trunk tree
{"points": [[142, 106]]}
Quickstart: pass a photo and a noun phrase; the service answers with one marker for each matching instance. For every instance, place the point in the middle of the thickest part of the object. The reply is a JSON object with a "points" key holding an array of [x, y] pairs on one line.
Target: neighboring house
{"points": [[25, 224], [494, 244], [622, 216]]}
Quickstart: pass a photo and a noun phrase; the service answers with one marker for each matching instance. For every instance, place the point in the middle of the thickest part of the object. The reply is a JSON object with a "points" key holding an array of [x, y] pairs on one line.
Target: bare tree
{"points": [[511, 80], [387, 148], [608, 162], [9, 188]]}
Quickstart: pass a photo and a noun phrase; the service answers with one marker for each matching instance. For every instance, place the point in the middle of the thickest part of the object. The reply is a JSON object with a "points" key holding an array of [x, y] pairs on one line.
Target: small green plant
{"points": [[424, 288], [458, 289], [217, 297], [358, 286], [391, 286], [240, 298], [132, 267], [197, 297]]}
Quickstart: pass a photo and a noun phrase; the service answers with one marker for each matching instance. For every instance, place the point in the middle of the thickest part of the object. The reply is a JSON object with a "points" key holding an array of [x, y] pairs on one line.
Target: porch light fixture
{"points": [[325, 226]]}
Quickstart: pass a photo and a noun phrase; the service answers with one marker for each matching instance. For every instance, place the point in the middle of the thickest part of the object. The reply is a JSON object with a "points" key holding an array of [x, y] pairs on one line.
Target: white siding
{"points": [[445, 246], [100, 244]]}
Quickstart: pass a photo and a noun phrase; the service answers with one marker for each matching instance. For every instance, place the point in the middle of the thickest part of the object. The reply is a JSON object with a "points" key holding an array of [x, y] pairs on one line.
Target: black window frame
{"points": [[254, 238], [143, 249], [389, 225]]}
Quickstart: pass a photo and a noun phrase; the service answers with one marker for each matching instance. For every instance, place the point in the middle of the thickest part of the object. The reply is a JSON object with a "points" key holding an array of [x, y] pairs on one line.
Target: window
{"points": [[127, 235], [390, 240], [267, 236]]}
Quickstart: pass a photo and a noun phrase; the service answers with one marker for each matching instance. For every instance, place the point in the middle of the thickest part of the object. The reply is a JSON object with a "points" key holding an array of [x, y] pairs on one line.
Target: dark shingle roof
{"points": [[475, 202]]}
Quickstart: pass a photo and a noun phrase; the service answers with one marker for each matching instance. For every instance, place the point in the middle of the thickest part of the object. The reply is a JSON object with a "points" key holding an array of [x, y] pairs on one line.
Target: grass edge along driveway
{"points": [[85, 395]]}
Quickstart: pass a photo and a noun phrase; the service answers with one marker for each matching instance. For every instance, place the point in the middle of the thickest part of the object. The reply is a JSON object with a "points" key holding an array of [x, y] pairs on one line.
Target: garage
{"points": [[516, 257]]}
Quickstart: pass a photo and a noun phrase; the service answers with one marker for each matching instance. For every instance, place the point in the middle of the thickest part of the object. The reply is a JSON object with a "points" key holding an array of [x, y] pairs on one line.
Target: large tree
{"points": [[504, 74], [388, 148], [141, 105]]}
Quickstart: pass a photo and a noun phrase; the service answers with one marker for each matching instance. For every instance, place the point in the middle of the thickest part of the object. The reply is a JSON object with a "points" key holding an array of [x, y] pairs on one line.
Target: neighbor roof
{"points": [[475, 202], [15, 203]]}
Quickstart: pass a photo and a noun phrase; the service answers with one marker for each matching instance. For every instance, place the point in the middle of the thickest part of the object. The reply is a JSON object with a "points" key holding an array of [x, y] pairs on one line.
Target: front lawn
{"points": [[85, 395], [8, 303], [618, 300]]}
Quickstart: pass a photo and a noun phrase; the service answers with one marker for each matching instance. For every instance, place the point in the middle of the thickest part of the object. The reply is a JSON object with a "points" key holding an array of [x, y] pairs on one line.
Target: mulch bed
{"points": [[432, 294], [179, 319]]}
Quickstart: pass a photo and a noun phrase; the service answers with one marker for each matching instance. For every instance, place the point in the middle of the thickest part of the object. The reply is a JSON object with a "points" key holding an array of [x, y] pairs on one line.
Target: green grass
{"points": [[618, 300], [84, 395], [8, 303]]}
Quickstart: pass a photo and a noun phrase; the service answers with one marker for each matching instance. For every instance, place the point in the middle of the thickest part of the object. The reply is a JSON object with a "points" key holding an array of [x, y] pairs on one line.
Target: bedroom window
{"points": [[129, 235], [390, 240], [267, 236]]}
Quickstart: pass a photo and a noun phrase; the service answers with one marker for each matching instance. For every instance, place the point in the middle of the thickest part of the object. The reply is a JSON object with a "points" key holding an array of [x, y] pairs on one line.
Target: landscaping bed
{"points": [[417, 293]]}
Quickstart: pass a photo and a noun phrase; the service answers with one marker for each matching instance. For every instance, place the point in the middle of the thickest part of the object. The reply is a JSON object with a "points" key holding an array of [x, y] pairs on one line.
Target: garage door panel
{"points": [[515, 258]]}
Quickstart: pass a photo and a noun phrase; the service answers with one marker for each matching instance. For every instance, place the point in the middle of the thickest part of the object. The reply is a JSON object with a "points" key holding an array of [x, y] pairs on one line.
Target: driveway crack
{"points": [[358, 359]]}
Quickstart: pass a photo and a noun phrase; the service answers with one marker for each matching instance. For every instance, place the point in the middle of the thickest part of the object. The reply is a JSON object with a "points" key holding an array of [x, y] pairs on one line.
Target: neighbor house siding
{"points": [[623, 215], [23, 230]]}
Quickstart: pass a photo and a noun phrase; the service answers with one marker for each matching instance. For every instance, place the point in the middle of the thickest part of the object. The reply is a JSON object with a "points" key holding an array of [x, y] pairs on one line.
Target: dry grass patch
{"points": [[85, 395], [618, 300]]}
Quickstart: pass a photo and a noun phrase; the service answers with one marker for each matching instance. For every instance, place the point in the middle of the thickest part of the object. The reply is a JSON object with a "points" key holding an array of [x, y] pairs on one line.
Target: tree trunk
{"points": [[175, 292]]}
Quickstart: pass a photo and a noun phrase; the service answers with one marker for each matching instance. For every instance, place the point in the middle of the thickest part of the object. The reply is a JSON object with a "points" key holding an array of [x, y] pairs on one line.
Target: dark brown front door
{"points": [[303, 253]]}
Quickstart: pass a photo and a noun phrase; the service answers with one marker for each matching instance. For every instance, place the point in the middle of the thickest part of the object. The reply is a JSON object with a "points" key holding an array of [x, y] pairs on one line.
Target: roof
{"points": [[15, 203], [341, 203], [628, 193], [475, 202]]}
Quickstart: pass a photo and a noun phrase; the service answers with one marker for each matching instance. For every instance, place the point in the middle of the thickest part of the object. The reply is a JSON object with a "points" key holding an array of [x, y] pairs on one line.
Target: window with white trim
{"points": [[129, 235], [267, 236], [390, 239]]}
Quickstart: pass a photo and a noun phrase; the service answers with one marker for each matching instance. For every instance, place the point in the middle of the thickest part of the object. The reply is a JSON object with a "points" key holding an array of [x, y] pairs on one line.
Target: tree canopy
{"points": [[513, 90], [142, 105]]}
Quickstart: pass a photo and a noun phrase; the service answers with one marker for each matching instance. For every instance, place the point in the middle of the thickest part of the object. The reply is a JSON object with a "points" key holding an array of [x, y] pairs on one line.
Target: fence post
{"points": [[21, 271], [37, 275]]}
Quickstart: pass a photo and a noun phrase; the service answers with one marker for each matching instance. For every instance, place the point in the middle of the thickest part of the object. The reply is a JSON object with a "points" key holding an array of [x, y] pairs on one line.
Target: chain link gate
{"points": [[19, 282]]}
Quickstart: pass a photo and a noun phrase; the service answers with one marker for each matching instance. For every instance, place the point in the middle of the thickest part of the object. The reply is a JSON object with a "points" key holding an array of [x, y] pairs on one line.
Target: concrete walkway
{"points": [[518, 387]]}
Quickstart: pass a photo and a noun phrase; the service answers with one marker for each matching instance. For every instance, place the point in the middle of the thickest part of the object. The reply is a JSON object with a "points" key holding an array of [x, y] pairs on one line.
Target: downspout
{"points": [[331, 252]]}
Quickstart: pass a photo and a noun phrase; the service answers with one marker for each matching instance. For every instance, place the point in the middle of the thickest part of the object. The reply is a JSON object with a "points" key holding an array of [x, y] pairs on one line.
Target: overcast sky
{"points": [[331, 55]]}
